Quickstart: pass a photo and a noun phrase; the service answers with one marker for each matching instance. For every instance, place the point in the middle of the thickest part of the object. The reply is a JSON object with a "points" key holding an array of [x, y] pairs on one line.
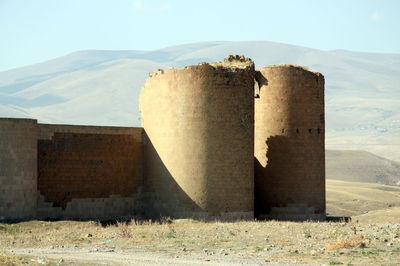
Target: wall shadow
{"points": [[78, 166], [158, 195], [260, 82], [292, 177], [268, 184]]}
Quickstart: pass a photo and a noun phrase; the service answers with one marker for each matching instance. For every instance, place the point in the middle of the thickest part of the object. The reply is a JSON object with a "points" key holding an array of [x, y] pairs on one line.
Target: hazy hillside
{"points": [[361, 166], [102, 88]]}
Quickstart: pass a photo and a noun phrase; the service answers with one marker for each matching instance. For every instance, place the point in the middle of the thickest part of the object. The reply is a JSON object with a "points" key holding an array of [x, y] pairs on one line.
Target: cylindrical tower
{"points": [[199, 153], [289, 144], [18, 168]]}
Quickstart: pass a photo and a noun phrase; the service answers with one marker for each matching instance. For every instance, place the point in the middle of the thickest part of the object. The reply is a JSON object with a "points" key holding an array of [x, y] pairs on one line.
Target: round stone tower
{"points": [[199, 125], [18, 168], [289, 144]]}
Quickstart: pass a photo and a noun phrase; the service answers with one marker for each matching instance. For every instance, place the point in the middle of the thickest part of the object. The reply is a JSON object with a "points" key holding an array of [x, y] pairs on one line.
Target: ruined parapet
{"points": [[199, 151], [289, 144], [89, 172], [18, 168]]}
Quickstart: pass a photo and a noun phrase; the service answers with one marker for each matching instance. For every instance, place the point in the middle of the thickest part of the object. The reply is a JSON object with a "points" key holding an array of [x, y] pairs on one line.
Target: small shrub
{"points": [[171, 234], [357, 241], [335, 262], [369, 252], [259, 249]]}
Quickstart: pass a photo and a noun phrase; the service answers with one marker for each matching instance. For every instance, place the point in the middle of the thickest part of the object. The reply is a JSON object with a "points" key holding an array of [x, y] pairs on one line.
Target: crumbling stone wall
{"points": [[289, 144], [18, 163], [199, 149], [90, 165]]}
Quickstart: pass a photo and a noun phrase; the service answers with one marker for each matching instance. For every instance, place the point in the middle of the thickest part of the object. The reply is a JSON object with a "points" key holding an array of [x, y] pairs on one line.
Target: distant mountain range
{"points": [[102, 87]]}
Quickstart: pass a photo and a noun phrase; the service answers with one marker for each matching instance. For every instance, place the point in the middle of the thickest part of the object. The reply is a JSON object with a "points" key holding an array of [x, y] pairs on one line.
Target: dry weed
{"points": [[124, 230], [357, 241]]}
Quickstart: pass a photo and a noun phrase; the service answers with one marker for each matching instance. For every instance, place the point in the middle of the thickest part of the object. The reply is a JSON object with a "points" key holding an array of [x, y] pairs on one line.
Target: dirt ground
{"points": [[188, 242], [372, 237]]}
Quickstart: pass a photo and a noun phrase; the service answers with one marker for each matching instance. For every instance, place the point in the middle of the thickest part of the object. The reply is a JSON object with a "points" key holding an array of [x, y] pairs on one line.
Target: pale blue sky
{"points": [[32, 31]]}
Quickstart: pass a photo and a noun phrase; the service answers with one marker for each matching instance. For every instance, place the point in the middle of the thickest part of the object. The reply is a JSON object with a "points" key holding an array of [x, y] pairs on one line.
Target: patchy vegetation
{"points": [[373, 237], [258, 241]]}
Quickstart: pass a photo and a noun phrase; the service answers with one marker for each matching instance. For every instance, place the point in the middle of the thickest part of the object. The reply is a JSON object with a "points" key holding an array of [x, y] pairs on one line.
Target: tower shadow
{"points": [[163, 197]]}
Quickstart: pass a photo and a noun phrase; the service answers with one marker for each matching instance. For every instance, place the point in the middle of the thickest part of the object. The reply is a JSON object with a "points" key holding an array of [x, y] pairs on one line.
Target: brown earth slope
{"points": [[361, 166]]}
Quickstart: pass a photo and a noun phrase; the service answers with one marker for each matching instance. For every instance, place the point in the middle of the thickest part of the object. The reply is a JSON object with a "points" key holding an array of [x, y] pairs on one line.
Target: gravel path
{"points": [[73, 256]]}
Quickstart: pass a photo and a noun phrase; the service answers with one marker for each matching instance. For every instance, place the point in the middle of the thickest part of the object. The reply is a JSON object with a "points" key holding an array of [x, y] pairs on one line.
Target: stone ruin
{"points": [[218, 141]]}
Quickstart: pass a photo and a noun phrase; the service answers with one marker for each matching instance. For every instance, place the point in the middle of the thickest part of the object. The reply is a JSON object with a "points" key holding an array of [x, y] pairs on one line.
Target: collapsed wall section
{"points": [[289, 144], [199, 123], [18, 164], [89, 172]]}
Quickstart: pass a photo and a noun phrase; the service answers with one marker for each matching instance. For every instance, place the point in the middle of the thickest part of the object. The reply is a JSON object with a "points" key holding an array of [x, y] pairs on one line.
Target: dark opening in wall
{"points": [[297, 131], [319, 130], [309, 130], [283, 130]]}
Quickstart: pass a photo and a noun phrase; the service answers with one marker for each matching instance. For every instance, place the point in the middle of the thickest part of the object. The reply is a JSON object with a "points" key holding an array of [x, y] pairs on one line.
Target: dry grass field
{"points": [[358, 199], [372, 237]]}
